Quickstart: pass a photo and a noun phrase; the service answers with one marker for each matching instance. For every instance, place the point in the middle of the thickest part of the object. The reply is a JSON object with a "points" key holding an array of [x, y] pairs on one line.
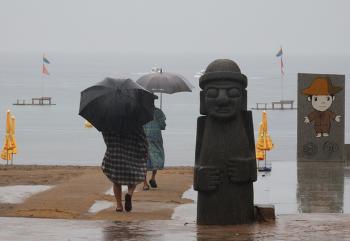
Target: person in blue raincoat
{"points": [[153, 130]]}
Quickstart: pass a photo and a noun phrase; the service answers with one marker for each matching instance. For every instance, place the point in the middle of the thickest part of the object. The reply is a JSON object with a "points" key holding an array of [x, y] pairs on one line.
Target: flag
{"points": [[44, 71], [45, 60], [280, 55]]}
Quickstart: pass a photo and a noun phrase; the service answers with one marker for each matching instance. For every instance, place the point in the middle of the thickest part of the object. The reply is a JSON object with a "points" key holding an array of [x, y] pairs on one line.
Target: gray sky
{"points": [[180, 26]]}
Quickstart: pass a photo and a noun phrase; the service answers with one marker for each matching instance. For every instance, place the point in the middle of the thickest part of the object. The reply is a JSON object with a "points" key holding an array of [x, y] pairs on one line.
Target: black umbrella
{"points": [[163, 82], [116, 104]]}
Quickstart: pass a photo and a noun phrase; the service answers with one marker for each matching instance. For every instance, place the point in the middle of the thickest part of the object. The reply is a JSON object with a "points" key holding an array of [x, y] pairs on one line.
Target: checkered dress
{"points": [[126, 156]]}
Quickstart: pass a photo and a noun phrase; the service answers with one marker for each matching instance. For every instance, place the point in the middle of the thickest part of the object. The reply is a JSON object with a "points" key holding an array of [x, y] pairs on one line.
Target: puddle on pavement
{"points": [[18, 193], [293, 188], [346, 207], [311, 187], [100, 205], [29, 229], [278, 187], [15, 229], [186, 213]]}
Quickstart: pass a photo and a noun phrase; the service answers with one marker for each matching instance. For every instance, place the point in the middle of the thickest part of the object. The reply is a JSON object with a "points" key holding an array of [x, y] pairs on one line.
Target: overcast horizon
{"points": [[182, 26]]}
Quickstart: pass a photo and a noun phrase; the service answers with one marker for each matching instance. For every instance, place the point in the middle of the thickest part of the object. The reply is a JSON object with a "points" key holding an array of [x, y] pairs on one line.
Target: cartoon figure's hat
{"points": [[223, 69], [321, 86]]}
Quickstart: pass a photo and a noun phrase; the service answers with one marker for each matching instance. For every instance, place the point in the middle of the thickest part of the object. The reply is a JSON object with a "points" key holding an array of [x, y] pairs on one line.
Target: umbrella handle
{"points": [[161, 95]]}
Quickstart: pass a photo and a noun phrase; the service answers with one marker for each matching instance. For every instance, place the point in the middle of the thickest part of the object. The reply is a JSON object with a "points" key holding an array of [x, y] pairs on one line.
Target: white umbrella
{"points": [[163, 82]]}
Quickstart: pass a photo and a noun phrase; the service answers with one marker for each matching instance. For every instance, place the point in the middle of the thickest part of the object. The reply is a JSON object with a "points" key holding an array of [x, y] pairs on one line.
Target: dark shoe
{"points": [[128, 205], [153, 183]]}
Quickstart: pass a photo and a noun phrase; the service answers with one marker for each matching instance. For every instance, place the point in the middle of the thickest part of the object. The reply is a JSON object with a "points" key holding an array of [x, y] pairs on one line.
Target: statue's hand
{"points": [[306, 120], [207, 178], [337, 118], [241, 170]]}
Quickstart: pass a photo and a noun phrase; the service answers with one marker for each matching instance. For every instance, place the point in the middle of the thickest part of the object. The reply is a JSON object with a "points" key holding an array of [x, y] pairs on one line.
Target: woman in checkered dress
{"points": [[125, 161]]}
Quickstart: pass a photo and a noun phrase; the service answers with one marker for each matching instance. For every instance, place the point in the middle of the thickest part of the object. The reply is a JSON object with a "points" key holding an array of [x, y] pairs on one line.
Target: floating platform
{"points": [[36, 101], [275, 105]]}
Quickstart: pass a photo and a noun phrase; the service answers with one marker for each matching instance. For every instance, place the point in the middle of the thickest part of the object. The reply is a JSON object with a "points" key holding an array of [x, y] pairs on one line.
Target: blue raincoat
{"points": [[153, 130]]}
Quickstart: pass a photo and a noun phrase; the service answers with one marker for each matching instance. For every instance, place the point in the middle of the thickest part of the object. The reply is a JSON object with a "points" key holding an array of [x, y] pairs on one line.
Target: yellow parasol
{"points": [[9, 147], [260, 154], [13, 127], [264, 142]]}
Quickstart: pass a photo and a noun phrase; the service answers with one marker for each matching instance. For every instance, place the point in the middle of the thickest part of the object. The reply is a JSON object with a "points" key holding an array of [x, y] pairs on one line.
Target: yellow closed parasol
{"points": [[13, 127], [264, 142], [10, 146]]}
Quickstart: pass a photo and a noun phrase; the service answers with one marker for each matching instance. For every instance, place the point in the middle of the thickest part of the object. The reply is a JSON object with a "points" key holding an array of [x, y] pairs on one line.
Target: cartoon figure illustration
{"points": [[321, 94]]}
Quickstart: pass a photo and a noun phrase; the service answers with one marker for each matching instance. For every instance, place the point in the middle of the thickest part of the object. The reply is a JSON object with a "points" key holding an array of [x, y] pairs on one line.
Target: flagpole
{"points": [[281, 63], [161, 97], [280, 55], [44, 72], [282, 97], [42, 81], [42, 76]]}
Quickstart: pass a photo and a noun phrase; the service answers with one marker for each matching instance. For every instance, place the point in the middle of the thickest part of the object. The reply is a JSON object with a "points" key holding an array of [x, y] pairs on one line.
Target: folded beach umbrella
{"points": [[9, 147], [13, 127], [116, 104], [264, 142]]}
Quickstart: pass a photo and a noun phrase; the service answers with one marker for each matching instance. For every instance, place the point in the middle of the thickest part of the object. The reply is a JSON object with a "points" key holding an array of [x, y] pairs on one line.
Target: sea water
{"points": [[55, 135]]}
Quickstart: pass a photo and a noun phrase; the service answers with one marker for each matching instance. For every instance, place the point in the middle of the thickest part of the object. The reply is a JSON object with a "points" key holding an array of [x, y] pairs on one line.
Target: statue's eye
{"points": [[233, 92], [328, 98], [212, 93], [315, 98]]}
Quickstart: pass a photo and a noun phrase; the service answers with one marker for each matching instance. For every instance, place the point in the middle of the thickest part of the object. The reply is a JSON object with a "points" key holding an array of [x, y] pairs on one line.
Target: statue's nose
{"points": [[222, 98]]}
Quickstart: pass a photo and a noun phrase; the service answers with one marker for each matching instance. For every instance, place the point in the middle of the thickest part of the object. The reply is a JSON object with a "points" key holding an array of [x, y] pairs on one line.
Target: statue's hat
{"points": [[225, 69], [321, 86]]}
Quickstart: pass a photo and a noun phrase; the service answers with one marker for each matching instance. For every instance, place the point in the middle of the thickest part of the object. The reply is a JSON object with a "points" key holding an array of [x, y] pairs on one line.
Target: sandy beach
{"points": [[76, 188]]}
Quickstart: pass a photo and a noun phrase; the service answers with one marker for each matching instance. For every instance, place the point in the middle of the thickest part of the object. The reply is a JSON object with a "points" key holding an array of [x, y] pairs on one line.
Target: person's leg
{"points": [[131, 189], [117, 189], [145, 185], [152, 181], [154, 172], [128, 196]]}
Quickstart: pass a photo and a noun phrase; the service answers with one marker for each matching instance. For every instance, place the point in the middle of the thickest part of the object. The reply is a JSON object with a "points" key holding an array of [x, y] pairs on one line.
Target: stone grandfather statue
{"points": [[225, 164]]}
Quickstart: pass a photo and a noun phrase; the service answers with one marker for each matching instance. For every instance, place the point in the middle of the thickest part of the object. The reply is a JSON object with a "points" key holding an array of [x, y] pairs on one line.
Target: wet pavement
{"points": [[299, 192], [18, 193], [287, 227], [311, 187], [298, 188]]}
